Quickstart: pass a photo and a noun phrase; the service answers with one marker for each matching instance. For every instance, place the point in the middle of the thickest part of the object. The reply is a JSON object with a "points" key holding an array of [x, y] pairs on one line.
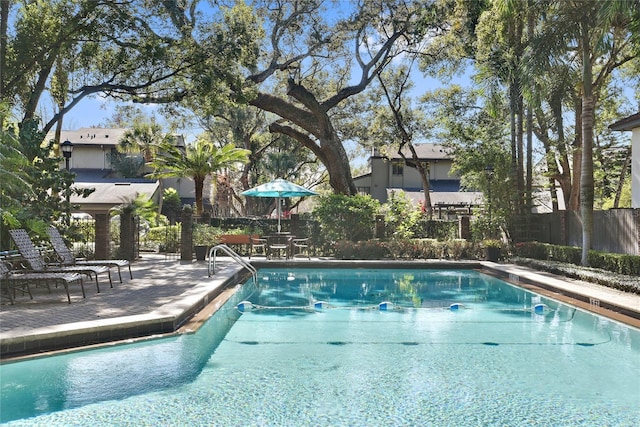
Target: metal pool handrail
{"points": [[237, 258]]}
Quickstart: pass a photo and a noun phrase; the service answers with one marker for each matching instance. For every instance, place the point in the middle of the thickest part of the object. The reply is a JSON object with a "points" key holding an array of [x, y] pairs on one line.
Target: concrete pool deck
{"points": [[170, 296]]}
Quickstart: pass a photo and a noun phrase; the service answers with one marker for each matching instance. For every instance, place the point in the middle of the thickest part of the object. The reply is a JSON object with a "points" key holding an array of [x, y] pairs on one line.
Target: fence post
{"points": [[380, 227], [464, 228], [186, 234]]}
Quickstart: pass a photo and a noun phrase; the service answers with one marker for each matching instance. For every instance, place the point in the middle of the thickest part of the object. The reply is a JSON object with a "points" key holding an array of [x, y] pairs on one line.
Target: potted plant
{"points": [[492, 249], [204, 237]]}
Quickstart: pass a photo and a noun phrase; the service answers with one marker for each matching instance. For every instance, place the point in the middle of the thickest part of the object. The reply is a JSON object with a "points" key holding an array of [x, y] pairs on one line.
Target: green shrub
{"points": [[401, 216], [429, 249], [343, 217], [404, 248], [83, 231], [205, 235], [533, 250], [618, 263], [456, 249], [440, 229], [159, 234], [568, 254], [364, 249]]}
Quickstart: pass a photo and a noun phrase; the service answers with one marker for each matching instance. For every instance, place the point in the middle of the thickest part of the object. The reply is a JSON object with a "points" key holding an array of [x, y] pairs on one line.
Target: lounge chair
{"points": [[37, 263], [16, 280], [66, 257]]}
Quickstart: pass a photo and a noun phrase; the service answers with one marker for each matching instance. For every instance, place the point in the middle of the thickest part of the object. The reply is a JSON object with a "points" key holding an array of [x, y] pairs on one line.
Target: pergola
{"points": [[106, 197]]}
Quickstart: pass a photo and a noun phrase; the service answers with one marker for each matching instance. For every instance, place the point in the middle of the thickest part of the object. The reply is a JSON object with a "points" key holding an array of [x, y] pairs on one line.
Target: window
{"points": [[397, 168]]}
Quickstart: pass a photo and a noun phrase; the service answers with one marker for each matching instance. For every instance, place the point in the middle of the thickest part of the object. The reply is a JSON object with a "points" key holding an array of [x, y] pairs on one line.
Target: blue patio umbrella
{"points": [[279, 188]]}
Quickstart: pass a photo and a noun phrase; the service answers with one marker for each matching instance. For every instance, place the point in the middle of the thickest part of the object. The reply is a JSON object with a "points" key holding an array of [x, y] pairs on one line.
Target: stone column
{"points": [[380, 227], [464, 229], [186, 234], [296, 228], [102, 238], [126, 233]]}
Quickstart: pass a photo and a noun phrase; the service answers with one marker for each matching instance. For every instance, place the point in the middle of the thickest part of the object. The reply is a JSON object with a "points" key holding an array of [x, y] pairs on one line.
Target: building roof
{"points": [[628, 123], [91, 136], [100, 137], [104, 175], [424, 152], [108, 194]]}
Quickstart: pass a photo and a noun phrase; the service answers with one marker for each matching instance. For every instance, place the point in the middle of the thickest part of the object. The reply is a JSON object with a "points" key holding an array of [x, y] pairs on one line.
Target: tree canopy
{"points": [[545, 77]]}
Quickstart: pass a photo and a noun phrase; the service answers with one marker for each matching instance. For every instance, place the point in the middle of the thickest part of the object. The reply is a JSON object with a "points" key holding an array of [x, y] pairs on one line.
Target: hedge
{"points": [[617, 263]]}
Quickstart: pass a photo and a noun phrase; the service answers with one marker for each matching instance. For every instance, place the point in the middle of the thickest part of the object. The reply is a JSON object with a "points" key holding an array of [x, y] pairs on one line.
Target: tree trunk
{"points": [[321, 138], [586, 177], [424, 175], [4, 22], [623, 176], [520, 153], [574, 198], [199, 185], [564, 178], [529, 180]]}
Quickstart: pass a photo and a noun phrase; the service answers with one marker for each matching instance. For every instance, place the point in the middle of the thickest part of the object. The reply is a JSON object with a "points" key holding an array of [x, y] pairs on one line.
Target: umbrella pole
{"points": [[278, 212]]}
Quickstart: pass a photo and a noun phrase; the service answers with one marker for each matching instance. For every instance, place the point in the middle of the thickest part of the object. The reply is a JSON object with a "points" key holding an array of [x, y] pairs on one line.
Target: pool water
{"points": [[494, 360]]}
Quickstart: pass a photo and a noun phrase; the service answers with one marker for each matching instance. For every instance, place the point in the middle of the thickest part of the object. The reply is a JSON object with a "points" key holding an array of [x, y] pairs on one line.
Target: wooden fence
{"points": [[614, 230]]}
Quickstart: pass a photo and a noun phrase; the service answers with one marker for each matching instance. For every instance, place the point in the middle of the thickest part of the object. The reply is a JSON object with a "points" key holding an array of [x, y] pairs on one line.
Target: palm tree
{"points": [[196, 161], [143, 138], [604, 44]]}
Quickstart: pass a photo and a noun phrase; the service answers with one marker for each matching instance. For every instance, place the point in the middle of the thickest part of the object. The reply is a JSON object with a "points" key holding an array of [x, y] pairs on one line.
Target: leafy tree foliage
{"points": [[357, 48], [153, 52], [197, 161], [347, 217], [143, 137], [32, 179]]}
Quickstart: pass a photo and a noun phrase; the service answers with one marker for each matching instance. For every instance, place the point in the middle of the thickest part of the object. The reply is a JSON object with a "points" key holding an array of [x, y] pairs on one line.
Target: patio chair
{"points": [[66, 257], [300, 248], [13, 281], [37, 263], [277, 244], [257, 246]]}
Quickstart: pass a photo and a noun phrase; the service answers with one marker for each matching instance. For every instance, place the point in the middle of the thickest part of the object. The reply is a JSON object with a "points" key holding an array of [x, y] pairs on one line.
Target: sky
{"points": [[94, 111]]}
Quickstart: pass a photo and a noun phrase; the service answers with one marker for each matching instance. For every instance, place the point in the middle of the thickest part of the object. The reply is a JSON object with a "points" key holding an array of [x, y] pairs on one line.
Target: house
{"points": [[391, 173], [93, 150], [90, 160], [632, 123]]}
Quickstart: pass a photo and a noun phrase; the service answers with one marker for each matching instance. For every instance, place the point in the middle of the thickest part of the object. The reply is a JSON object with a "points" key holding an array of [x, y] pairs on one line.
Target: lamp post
{"points": [[67, 149], [489, 171]]}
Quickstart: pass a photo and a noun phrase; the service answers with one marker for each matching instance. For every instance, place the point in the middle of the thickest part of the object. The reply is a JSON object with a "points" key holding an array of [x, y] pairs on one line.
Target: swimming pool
{"points": [[447, 348]]}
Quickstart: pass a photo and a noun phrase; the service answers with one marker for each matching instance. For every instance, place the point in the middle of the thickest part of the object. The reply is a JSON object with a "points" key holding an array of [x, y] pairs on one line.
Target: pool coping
{"points": [[192, 308], [162, 321]]}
